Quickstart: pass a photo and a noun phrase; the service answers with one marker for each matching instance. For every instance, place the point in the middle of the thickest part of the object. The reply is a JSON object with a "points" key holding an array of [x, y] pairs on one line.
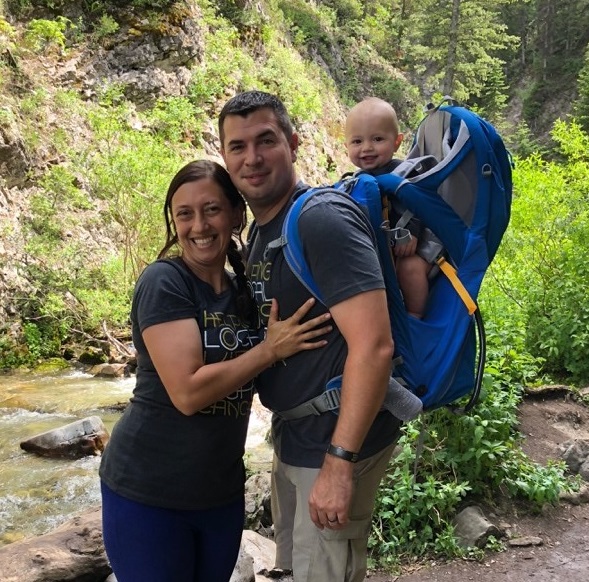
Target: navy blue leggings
{"points": [[152, 544]]}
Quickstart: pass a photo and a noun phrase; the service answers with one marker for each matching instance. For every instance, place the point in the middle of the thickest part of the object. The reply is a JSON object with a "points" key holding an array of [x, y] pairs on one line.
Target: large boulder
{"points": [[256, 557], [258, 514], [75, 440], [73, 552], [473, 529], [149, 60]]}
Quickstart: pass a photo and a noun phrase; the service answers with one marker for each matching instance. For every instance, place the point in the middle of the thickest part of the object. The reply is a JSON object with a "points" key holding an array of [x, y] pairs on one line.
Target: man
{"points": [[327, 467]]}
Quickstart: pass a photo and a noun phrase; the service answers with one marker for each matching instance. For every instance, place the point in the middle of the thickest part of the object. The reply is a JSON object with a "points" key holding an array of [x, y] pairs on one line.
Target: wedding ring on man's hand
{"points": [[332, 520]]}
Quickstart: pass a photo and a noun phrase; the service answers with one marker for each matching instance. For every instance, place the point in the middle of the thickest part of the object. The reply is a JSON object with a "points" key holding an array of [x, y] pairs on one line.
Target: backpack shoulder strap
{"points": [[290, 240], [252, 233], [399, 401], [292, 245]]}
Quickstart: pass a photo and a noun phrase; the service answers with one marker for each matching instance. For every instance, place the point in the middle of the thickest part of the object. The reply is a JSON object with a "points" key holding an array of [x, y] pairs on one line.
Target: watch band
{"points": [[342, 453]]}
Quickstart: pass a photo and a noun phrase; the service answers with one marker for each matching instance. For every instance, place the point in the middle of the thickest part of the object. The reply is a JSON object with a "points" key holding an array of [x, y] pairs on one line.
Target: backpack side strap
{"points": [[325, 402], [399, 401]]}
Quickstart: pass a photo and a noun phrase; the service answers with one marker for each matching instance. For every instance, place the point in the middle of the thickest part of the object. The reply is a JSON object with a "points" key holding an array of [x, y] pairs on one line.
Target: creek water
{"points": [[37, 494]]}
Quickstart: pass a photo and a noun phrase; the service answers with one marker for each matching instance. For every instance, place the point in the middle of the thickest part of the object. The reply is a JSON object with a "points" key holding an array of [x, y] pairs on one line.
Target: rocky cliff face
{"points": [[147, 62]]}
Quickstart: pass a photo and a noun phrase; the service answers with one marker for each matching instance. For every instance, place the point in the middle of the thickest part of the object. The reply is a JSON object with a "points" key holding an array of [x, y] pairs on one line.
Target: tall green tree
{"points": [[448, 84], [562, 29], [552, 34], [581, 106], [519, 17], [457, 46]]}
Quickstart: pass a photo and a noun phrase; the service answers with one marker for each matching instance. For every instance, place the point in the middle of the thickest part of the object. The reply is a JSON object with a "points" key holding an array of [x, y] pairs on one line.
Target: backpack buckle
{"points": [[273, 246], [332, 398]]}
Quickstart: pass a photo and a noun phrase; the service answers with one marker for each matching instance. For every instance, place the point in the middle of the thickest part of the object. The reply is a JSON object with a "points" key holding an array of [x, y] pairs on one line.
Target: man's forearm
{"points": [[364, 385], [364, 322], [365, 381]]}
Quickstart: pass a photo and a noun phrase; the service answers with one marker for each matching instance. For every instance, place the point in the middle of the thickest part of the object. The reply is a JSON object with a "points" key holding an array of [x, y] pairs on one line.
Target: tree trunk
{"points": [[448, 84]]}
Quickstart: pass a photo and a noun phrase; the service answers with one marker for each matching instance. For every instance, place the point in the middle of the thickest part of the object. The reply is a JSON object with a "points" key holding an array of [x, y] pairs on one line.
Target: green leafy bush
{"points": [[175, 120], [10, 352], [309, 24], [38, 343], [130, 169], [304, 102], [458, 456], [225, 66], [412, 511], [105, 26], [7, 35], [541, 263], [42, 34], [581, 105]]}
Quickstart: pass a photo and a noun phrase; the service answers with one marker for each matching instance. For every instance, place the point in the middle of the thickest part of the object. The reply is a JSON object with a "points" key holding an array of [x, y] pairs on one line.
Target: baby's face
{"points": [[371, 139]]}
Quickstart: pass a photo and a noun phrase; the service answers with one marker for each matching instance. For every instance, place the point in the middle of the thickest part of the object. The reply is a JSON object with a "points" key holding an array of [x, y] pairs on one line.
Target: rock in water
{"points": [[78, 439]]}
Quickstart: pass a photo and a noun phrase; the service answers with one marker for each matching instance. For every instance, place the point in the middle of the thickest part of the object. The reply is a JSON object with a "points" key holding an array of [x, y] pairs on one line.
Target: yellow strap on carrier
{"points": [[450, 272]]}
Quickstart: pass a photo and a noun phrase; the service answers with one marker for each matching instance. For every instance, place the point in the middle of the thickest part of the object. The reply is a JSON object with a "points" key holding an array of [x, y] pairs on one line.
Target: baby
{"points": [[372, 138]]}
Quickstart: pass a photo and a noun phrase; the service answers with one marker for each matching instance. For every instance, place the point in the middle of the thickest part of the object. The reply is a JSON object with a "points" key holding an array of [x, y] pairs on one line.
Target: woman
{"points": [[173, 474]]}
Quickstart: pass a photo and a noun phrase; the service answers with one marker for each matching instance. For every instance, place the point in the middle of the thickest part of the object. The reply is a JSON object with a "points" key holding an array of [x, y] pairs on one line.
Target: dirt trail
{"points": [[563, 555]]}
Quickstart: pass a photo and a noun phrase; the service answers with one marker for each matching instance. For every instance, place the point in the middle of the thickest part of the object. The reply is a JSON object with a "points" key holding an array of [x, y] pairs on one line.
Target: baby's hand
{"points": [[406, 250]]}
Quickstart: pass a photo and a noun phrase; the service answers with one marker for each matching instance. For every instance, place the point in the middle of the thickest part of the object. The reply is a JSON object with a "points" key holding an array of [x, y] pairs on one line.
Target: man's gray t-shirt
{"points": [[339, 247]]}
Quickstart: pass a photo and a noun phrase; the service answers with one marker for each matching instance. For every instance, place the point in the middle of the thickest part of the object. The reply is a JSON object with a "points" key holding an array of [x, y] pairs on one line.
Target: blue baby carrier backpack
{"points": [[457, 180]]}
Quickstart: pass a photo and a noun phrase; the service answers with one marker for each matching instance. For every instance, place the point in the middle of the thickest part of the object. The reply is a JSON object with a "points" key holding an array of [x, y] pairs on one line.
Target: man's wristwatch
{"points": [[342, 453]]}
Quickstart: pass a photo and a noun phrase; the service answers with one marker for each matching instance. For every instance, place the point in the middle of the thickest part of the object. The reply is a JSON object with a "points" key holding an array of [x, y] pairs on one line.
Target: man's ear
{"points": [[294, 145]]}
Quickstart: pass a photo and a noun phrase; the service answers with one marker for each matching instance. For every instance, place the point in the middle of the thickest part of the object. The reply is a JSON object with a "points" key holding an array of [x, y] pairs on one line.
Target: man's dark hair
{"points": [[249, 101]]}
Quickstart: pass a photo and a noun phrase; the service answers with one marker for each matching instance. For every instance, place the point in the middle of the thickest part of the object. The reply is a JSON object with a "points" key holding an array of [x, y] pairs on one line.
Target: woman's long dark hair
{"points": [[199, 170]]}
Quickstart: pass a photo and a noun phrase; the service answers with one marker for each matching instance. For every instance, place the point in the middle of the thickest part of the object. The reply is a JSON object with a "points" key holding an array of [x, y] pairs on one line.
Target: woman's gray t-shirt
{"points": [[157, 455]]}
